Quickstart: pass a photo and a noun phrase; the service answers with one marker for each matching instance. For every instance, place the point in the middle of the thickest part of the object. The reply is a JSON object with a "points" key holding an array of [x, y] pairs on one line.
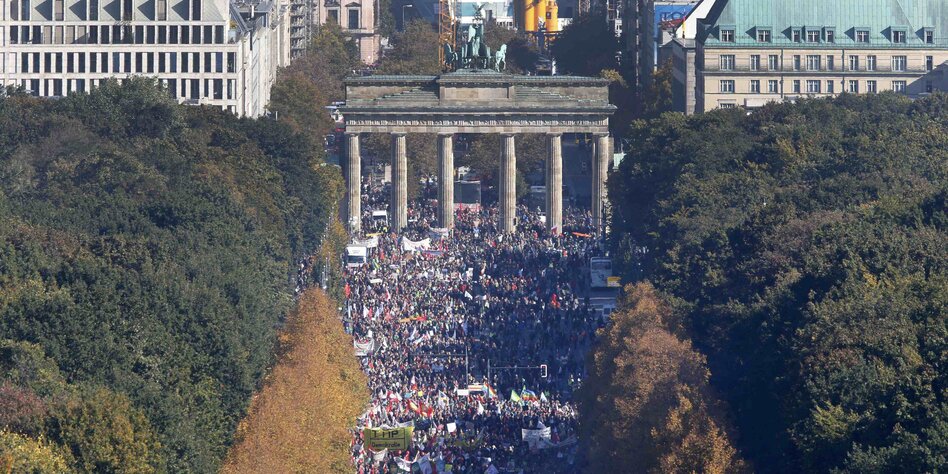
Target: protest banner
{"points": [[536, 438], [412, 246], [363, 347], [378, 439]]}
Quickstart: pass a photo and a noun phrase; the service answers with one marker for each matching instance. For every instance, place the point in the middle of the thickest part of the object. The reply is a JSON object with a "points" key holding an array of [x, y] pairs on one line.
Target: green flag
{"points": [[513, 396]]}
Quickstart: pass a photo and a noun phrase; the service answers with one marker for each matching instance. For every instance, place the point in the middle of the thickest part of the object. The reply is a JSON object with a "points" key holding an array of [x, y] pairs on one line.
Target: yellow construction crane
{"points": [[447, 30]]}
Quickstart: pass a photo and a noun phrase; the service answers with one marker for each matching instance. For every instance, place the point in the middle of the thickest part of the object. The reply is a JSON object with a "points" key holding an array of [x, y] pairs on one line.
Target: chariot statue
{"points": [[474, 53]]}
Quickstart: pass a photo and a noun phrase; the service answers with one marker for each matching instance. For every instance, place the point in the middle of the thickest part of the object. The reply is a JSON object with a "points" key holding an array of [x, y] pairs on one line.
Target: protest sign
{"points": [[388, 438]]}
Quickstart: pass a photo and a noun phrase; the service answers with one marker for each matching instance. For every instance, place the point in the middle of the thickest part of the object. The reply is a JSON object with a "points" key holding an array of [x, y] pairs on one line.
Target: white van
{"points": [[356, 255]]}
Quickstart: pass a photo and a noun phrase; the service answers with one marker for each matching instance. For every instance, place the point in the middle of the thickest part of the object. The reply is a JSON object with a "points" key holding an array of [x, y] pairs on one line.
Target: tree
{"points": [[800, 244], [296, 100], [586, 46], [150, 255], [647, 405], [331, 56], [21, 454], [105, 433], [312, 398], [657, 98], [415, 51]]}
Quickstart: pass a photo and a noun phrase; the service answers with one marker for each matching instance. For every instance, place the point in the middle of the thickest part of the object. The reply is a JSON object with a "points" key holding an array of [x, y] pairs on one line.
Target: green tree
{"points": [[586, 46], [805, 245], [414, 51], [331, 56], [105, 433]]}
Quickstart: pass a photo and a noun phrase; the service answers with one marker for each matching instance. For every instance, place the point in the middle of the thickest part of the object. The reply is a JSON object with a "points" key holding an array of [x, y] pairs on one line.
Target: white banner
{"points": [[363, 347], [411, 246], [438, 233], [369, 243], [536, 438], [379, 456]]}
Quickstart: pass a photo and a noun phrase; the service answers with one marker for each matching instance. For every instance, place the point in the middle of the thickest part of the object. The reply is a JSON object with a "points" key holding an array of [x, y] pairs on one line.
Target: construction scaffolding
{"points": [[447, 28]]}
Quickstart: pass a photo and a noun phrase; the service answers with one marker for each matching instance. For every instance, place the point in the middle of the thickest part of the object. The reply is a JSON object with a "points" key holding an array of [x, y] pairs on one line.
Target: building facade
{"points": [[210, 52], [358, 20], [750, 52]]}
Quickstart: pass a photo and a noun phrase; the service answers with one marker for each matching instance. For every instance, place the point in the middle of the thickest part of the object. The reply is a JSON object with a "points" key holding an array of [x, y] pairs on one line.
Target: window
{"points": [[898, 86], [727, 62], [813, 62], [929, 63], [353, 19], [862, 36], [333, 15], [870, 63], [93, 10], [795, 36], [929, 37], [727, 35], [812, 36], [899, 63], [830, 62], [58, 10], [727, 86], [773, 62], [853, 87], [871, 87], [763, 36], [796, 86], [829, 87], [772, 86], [928, 86], [796, 62], [830, 35], [898, 36], [854, 63], [813, 87], [755, 62], [755, 86]]}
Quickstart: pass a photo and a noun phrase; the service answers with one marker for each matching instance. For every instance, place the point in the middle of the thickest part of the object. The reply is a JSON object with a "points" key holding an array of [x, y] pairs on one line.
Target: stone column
{"points": [[446, 180], [354, 191], [508, 184], [601, 156], [398, 210], [554, 183]]}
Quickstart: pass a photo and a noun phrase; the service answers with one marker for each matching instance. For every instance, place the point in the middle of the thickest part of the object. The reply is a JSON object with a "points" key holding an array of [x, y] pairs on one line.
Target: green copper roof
{"points": [[880, 17]]}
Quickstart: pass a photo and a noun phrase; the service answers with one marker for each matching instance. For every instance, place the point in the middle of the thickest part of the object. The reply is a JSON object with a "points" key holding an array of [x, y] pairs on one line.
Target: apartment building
{"points": [[749, 52], [213, 52]]}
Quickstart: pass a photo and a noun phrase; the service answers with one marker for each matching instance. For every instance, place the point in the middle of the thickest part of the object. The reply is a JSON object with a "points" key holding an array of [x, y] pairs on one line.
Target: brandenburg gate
{"points": [[477, 100]]}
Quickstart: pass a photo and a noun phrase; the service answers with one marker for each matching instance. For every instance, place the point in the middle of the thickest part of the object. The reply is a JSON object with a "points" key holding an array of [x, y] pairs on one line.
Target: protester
{"points": [[454, 333]]}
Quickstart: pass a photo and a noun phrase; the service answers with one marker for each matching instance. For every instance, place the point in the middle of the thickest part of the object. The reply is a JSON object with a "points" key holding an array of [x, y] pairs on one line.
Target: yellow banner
{"points": [[388, 438]]}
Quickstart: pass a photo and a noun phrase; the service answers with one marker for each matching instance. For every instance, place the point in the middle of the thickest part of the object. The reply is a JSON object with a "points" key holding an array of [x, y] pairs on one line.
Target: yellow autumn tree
{"points": [[299, 420], [19, 453], [647, 405]]}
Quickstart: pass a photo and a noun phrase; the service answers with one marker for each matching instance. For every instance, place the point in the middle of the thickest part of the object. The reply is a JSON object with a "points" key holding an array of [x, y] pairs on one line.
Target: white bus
{"points": [[600, 273]]}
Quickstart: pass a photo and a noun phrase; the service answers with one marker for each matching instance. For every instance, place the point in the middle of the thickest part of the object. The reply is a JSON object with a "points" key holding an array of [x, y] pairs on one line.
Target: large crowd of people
{"points": [[457, 332]]}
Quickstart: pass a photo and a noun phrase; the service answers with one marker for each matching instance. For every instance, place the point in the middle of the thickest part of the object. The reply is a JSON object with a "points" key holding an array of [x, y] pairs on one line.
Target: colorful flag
{"points": [[491, 393], [528, 395], [514, 397]]}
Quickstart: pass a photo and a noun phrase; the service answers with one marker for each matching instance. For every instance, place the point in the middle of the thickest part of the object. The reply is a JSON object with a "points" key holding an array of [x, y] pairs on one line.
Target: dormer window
{"points": [[898, 36], [862, 36], [795, 35], [829, 35], [812, 36], [763, 36], [929, 36], [727, 35]]}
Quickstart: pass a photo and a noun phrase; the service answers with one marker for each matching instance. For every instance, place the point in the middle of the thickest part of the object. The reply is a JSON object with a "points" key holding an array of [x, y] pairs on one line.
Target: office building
{"points": [[749, 52], [212, 52]]}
